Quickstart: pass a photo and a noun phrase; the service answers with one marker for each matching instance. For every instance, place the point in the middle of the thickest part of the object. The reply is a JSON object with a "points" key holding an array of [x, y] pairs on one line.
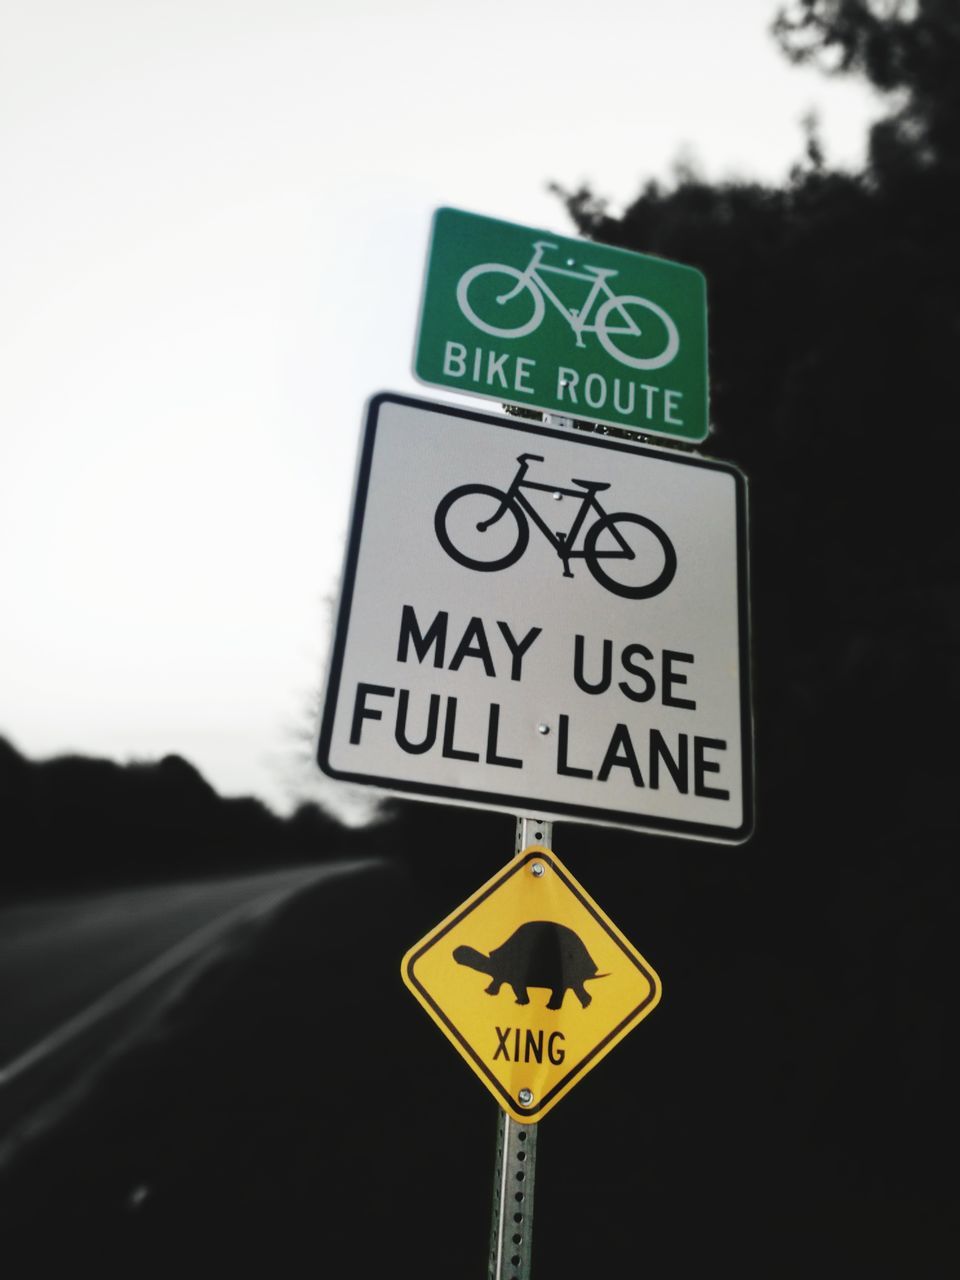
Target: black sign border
{"points": [[528, 804]]}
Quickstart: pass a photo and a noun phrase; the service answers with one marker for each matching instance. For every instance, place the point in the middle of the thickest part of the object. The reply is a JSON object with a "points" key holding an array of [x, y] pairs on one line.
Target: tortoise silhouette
{"points": [[538, 954]]}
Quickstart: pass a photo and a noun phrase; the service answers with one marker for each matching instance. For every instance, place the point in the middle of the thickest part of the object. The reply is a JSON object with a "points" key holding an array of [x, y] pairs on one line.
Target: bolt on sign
{"points": [[566, 325], [538, 620], [531, 982]]}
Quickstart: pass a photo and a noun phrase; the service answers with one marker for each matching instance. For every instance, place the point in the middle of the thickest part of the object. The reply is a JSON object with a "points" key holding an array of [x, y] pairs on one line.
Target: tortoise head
{"points": [[472, 958]]}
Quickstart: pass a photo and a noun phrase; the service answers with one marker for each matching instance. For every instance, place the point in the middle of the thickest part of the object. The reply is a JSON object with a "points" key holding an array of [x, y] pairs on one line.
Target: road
{"points": [[60, 959]]}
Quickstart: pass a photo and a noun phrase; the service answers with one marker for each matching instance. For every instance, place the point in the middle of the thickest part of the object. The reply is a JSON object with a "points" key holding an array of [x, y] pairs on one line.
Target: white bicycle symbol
{"points": [[531, 280]]}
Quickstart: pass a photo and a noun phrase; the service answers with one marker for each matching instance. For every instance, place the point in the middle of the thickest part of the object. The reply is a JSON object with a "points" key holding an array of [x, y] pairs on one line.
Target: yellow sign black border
{"points": [[533, 853]]}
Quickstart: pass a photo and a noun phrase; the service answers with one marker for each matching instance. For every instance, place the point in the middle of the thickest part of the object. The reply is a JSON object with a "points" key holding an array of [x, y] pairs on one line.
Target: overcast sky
{"points": [[212, 236]]}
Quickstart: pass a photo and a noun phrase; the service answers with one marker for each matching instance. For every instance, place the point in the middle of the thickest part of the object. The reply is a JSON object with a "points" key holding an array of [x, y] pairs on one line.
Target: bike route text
{"points": [[482, 368]]}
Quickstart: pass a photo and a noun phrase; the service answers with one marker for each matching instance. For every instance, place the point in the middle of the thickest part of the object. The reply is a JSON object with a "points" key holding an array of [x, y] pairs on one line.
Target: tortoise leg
{"points": [[556, 997], [580, 991], [494, 988], [521, 994]]}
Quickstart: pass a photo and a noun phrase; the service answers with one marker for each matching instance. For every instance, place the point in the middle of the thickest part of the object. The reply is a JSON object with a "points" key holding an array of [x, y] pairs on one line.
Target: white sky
{"points": [[212, 233]]}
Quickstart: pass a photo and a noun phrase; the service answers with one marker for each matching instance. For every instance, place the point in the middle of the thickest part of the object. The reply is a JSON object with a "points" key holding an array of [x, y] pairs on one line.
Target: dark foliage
{"points": [[835, 321], [801, 1052], [76, 822], [904, 46]]}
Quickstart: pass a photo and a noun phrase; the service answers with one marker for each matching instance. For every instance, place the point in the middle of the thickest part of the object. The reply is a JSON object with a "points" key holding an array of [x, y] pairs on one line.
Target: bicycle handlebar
{"points": [[529, 457]]}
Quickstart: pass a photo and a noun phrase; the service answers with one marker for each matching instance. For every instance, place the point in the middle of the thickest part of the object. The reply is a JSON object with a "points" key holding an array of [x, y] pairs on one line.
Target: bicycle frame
{"points": [[562, 542], [575, 317]]}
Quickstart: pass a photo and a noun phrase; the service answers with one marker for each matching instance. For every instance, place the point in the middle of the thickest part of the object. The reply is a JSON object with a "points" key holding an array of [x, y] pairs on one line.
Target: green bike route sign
{"points": [[567, 326]]}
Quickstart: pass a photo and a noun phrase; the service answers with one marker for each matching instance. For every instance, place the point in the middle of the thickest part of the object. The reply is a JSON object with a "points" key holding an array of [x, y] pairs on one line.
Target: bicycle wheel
{"points": [[467, 530], [490, 293], [639, 348], [645, 557]]}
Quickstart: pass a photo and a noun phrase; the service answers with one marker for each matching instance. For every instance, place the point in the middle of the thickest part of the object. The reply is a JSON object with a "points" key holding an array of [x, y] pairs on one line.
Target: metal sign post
{"points": [[514, 1175], [511, 1231]]}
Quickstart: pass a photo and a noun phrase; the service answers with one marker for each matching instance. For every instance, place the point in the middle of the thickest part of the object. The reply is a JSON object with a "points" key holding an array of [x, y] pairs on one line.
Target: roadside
{"points": [[54, 1071], [291, 1083]]}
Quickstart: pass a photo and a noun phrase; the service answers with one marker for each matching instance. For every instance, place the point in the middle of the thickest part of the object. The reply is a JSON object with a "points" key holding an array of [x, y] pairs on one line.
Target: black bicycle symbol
{"points": [[474, 509]]}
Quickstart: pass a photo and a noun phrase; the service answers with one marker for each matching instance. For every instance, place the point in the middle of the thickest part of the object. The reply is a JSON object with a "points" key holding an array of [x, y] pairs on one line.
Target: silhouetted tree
{"points": [[834, 322], [75, 822], [905, 46]]}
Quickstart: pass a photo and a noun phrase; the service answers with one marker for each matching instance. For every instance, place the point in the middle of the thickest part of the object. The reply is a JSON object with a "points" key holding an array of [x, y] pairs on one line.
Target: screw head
{"points": [[557, 496], [525, 1097], [542, 727], [537, 869]]}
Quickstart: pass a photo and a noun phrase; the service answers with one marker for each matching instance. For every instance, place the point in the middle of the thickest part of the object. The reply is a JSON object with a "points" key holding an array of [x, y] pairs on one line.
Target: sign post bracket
{"points": [[511, 1228]]}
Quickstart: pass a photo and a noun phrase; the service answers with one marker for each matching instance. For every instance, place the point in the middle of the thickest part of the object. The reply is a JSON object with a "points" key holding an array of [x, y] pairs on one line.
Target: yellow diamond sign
{"points": [[531, 983]]}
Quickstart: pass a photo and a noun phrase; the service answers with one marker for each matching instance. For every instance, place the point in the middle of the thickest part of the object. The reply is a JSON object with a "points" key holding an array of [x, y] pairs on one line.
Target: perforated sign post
{"points": [[543, 622], [569, 326]]}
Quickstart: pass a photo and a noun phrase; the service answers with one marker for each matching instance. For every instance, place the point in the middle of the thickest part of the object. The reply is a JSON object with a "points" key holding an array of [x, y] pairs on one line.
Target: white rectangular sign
{"points": [[544, 621]]}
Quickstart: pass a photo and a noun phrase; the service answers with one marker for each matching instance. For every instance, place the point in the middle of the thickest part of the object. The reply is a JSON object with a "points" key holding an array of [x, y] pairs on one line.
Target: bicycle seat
{"points": [[595, 485]]}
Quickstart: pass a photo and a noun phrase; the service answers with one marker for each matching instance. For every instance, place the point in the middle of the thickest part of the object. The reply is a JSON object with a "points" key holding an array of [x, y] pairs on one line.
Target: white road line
{"points": [[138, 982]]}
